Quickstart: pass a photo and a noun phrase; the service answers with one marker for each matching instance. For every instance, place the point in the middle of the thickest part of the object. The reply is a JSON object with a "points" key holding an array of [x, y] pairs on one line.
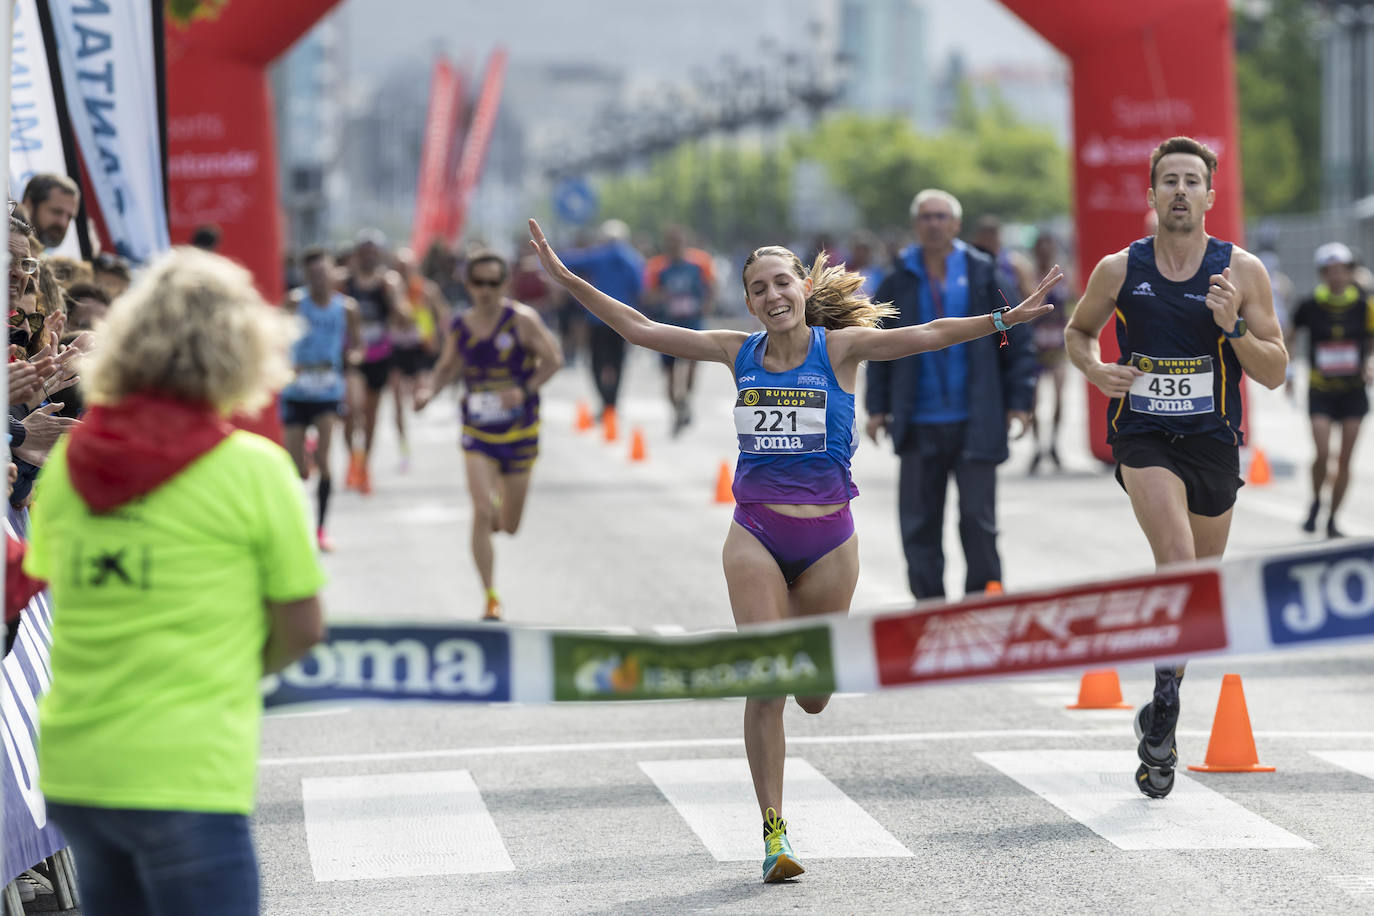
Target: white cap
{"points": [[1333, 253]]}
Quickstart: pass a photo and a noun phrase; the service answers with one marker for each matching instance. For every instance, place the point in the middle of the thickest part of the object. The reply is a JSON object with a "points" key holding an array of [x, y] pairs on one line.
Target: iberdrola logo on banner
{"points": [[641, 668]]}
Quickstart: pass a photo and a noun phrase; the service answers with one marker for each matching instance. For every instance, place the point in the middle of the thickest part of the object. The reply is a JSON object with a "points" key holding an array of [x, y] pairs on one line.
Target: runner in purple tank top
{"points": [[791, 550], [504, 353]]}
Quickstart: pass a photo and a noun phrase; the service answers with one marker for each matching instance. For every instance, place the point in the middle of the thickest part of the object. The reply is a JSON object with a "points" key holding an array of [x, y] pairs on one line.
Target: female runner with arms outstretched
{"points": [[791, 550]]}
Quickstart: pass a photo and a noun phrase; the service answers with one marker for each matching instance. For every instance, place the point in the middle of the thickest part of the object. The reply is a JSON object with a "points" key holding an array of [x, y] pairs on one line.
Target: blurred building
{"points": [[306, 85], [1036, 93], [1348, 102], [883, 43]]}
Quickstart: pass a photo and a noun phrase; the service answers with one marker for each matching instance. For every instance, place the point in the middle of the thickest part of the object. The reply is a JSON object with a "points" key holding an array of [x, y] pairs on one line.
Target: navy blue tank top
{"points": [[1191, 385]]}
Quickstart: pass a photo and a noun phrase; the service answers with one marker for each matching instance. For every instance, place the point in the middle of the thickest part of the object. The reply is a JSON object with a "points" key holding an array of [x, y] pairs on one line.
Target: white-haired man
{"points": [[948, 411]]}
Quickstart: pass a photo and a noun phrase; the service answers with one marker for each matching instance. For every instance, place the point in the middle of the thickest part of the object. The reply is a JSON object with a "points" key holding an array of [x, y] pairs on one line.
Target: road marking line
{"points": [[1354, 885], [307, 713], [1361, 762], [1115, 734], [400, 825], [1095, 788], [716, 799]]}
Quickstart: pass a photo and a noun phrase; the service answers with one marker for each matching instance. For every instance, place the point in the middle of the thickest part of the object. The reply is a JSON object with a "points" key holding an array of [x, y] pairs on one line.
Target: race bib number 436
{"points": [[1172, 386], [780, 421]]}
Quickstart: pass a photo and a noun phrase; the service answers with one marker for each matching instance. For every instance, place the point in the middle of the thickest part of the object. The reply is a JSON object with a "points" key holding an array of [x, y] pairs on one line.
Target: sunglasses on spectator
{"points": [[33, 320], [473, 281]]}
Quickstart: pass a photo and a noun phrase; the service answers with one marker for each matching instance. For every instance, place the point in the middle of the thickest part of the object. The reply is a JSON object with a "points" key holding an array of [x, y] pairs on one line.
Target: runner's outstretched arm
{"points": [[858, 344], [684, 343]]}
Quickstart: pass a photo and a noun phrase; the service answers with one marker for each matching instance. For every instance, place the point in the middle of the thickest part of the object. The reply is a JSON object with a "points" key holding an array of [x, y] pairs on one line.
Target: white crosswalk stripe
{"points": [[716, 799], [1095, 788], [1361, 762], [407, 824], [398, 825]]}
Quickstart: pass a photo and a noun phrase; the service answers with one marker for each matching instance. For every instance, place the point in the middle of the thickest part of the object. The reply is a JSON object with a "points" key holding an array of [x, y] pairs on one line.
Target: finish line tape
{"points": [[1252, 605]]}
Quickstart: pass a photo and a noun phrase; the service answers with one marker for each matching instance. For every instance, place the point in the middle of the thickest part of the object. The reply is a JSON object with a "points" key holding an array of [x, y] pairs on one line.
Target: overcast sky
{"points": [[651, 39]]}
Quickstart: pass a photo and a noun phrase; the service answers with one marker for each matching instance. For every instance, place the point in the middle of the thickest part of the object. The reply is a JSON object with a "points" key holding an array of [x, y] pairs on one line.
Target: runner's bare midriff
{"points": [[804, 510]]}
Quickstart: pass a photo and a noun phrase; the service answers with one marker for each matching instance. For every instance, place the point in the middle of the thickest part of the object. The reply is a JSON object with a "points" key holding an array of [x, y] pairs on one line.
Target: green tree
{"points": [[186, 11], [987, 158], [1278, 81], [733, 194]]}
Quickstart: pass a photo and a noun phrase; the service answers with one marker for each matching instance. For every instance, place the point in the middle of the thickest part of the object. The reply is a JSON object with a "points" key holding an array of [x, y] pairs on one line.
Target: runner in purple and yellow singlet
{"points": [[504, 353]]}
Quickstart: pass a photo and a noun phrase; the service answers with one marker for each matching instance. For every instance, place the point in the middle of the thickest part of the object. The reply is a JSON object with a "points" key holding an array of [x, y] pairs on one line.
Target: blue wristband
{"points": [[997, 320]]}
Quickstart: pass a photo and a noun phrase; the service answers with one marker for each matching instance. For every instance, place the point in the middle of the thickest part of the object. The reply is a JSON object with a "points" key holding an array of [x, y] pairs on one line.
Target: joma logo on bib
{"points": [[780, 421], [1321, 598]]}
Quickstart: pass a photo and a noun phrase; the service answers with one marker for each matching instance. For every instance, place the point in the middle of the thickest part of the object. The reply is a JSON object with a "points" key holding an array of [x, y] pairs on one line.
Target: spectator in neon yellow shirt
{"points": [[182, 570]]}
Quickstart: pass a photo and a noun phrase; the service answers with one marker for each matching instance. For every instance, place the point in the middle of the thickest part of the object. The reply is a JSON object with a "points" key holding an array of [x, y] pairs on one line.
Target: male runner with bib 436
{"points": [[1192, 312]]}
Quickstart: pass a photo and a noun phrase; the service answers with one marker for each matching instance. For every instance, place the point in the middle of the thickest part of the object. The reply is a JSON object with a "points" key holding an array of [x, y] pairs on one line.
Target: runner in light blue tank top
{"points": [[329, 328], [791, 549]]}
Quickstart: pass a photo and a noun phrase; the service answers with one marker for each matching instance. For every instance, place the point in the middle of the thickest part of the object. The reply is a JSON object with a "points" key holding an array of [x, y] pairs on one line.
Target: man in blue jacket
{"points": [[617, 269], [949, 411]]}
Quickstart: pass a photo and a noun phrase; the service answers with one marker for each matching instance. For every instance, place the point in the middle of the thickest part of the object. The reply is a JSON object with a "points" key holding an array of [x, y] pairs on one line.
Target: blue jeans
{"points": [[163, 863]]}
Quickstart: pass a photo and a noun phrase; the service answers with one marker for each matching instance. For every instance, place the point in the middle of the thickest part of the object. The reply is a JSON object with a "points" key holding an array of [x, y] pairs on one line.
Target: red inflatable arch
{"points": [[221, 145], [1142, 72]]}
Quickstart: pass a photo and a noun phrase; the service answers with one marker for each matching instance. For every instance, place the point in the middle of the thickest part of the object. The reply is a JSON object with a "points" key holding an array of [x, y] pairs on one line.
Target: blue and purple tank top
{"points": [[797, 429], [491, 363]]}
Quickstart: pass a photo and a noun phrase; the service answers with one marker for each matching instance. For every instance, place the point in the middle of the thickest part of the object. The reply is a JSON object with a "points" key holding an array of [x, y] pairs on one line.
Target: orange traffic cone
{"points": [[584, 418], [1260, 472], [1100, 689], [725, 484], [637, 452], [608, 424], [1232, 748]]}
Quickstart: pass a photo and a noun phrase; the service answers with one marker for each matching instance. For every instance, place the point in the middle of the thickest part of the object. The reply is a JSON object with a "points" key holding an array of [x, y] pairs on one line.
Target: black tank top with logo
{"points": [[1339, 330], [1191, 381]]}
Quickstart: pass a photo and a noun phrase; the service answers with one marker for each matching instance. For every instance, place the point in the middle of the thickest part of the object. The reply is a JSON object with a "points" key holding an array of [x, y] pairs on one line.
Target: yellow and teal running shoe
{"points": [[779, 863]]}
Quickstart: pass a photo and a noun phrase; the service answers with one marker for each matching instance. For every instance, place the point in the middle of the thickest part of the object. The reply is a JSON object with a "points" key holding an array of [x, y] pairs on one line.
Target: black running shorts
{"points": [[304, 413], [1338, 405], [1208, 467], [376, 373]]}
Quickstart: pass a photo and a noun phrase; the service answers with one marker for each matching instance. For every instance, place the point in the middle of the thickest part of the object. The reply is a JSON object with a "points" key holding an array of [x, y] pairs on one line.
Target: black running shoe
{"points": [[1311, 524], [1155, 724]]}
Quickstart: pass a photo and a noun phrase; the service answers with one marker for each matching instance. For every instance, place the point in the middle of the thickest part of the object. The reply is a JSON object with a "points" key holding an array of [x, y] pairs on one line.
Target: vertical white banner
{"points": [[35, 136], [105, 48]]}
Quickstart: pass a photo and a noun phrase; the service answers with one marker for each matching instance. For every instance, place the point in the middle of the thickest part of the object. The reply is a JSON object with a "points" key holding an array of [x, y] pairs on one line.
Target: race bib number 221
{"points": [[780, 421]]}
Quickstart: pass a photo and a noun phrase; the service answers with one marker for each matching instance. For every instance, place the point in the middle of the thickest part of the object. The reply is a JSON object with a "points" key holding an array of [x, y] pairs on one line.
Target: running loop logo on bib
{"points": [[1321, 598], [780, 421], [1172, 386]]}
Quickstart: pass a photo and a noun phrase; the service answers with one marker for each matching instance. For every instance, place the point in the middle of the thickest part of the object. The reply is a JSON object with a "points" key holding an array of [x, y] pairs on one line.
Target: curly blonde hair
{"points": [[192, 328], [836, 299]]}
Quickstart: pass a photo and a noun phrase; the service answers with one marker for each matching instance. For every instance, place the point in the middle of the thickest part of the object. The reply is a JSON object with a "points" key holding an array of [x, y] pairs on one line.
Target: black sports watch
{"points": [[1238, 331]]}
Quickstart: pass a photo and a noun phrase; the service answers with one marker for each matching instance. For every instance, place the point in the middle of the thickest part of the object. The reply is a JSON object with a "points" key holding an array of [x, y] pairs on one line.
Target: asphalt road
{"points": [[979, 798]]}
